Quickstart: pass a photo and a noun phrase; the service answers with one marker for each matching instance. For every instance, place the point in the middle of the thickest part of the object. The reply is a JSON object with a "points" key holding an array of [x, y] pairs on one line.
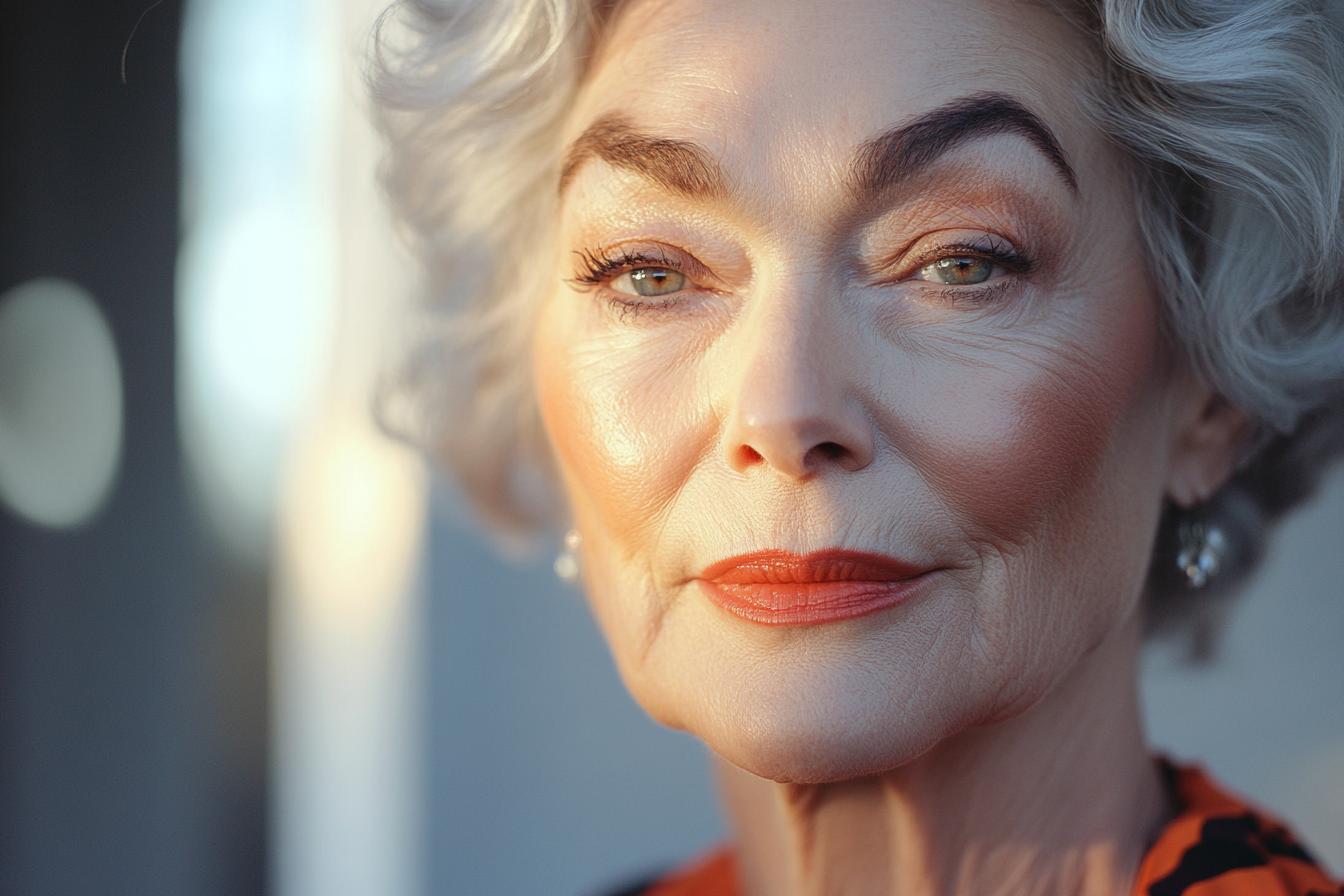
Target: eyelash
{"points": [[599, 268]]}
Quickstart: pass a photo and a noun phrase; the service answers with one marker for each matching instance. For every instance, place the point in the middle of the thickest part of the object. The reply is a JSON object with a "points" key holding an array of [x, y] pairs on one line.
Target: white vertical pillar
{"points": [[345, 666], [346, 659]]}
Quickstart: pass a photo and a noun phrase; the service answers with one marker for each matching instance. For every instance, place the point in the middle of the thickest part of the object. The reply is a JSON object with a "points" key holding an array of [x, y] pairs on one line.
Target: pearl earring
{"points": [[1203, 547], [567, 561]]}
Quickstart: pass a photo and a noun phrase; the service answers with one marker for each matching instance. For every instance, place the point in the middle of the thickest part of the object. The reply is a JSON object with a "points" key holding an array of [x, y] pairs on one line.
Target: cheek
{"points": [[1014, 444], [624, 422], [1001, 458]]}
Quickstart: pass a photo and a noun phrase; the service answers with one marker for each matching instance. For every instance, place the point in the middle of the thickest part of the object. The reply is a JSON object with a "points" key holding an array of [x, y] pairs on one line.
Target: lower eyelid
{"points": [[625, 310], [980, 293]]}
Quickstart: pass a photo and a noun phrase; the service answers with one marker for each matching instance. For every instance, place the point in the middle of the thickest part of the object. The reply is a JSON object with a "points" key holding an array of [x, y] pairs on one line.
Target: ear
{"points": [[1209, 436]]}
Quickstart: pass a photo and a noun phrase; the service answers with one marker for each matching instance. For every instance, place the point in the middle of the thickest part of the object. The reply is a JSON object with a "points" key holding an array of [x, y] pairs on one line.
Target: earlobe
{"points": [[1207, 450]]}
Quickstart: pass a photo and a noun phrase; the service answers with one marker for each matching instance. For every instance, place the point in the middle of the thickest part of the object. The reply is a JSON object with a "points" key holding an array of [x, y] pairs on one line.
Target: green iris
{"points": [[959, 271], [656, 281]]}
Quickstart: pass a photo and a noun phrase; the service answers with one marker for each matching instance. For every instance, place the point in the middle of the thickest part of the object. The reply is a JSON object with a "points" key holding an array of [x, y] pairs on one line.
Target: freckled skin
{"points": [[1019, 438]]}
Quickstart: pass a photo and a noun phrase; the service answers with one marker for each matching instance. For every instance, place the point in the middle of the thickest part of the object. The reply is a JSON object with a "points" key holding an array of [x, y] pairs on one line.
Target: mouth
{"points": [[783, 588]]}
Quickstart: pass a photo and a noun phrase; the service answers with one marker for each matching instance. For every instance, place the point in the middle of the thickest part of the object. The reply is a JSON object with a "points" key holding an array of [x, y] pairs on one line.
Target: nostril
{"points": [[787, 448], [832, 450]]}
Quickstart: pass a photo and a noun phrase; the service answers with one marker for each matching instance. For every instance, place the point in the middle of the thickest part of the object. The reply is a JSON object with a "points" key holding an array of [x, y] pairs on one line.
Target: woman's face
{"points": [[851, 364]]}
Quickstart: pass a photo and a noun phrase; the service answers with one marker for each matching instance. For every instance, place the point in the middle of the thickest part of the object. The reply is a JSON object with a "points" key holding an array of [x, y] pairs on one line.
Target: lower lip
{"points": [[811, 603]]}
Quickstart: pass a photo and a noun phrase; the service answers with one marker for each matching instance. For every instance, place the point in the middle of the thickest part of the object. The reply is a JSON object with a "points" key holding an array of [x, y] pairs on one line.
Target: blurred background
{"points": [[247, 645]]}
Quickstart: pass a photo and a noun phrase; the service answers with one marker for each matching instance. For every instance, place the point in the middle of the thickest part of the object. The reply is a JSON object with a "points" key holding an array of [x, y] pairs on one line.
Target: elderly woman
{"points": [[898, 364]]}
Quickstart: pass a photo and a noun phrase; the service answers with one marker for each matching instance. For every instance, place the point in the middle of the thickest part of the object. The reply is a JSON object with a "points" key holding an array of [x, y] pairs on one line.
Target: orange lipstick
{"points": [[784, 588]]}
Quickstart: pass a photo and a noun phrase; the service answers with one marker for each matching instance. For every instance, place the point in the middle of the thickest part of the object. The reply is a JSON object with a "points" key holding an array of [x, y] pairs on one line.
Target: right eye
{"points": [[649, 282]]}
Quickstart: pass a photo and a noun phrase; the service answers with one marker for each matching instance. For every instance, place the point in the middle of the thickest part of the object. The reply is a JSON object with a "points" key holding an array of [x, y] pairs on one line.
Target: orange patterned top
{"points": [[1216, 846]]}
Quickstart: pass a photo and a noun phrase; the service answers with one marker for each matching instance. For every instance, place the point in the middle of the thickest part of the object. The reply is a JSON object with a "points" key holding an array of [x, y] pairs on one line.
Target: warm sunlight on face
{"points": [[852, 367]]}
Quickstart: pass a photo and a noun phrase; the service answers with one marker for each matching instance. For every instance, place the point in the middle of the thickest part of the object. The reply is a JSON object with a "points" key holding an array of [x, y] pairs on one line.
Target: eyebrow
{"points": [[675, 165], [899, 154], [881, 164]]}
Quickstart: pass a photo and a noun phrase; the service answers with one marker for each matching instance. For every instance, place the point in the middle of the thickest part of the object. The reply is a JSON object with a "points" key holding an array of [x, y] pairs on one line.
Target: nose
{"points": [[795, 405]]}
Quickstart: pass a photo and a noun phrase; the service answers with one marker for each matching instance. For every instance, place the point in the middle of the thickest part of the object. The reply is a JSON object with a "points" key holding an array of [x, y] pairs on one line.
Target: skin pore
{"points": [[859, 275]]}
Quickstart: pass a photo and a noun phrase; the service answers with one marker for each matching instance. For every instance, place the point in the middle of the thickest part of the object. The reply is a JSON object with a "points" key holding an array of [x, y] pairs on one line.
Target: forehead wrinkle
{"points": [[678, 166], [892, 158]]}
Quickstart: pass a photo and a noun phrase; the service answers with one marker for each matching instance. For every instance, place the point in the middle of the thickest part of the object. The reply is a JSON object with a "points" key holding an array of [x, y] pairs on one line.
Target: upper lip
{"points": [[780, 567]]}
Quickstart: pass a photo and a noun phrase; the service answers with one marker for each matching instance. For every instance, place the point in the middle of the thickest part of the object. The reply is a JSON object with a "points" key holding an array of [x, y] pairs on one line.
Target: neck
{"points": [[1060, 800]]}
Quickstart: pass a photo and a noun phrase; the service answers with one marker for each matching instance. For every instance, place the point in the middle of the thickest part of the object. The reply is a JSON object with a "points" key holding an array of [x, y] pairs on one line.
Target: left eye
{"points": [[965, 270], [649, 282]]}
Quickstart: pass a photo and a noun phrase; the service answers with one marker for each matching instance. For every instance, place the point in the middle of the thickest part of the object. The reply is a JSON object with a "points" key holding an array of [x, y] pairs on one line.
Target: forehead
{"points": [[795, 85]]}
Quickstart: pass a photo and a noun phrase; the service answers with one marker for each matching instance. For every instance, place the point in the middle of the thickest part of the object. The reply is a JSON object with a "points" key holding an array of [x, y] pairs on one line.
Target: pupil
{"points": [[656, 281]]}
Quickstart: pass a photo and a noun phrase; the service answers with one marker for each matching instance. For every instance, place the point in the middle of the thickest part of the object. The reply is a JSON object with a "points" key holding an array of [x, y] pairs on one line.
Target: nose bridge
{"points": [[793, 405]]}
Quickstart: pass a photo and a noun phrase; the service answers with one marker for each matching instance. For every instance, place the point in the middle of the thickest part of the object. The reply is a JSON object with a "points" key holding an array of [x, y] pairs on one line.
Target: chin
{"points": [[795, 746], [805, 718]]}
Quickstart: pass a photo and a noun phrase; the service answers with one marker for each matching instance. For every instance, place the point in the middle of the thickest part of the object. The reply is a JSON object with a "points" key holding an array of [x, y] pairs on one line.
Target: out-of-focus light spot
{"points": [[60, 403], [260, 284], [254, 289]]}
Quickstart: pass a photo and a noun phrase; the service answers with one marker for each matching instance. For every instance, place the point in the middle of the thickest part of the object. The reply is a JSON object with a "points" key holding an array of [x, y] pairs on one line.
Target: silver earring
{"points": [[1203, 547], [567, 561]]}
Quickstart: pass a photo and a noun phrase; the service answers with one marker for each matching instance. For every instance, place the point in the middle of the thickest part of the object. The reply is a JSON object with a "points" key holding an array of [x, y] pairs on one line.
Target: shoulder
{"points": [[1220, 846]]}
